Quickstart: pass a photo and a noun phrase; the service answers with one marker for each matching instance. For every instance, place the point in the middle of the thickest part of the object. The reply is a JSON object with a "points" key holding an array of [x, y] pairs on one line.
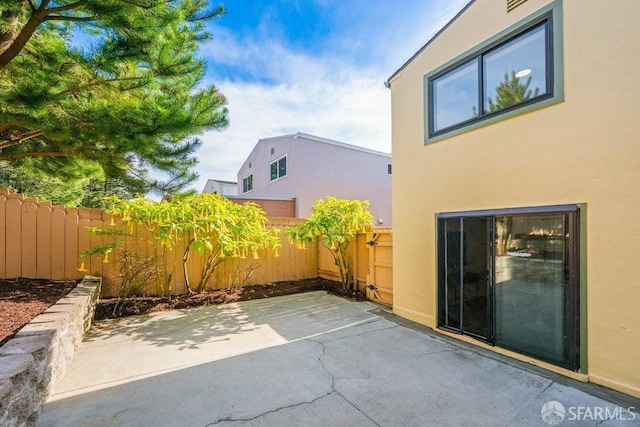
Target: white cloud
{"points": [[321, 94], [355, 111]]}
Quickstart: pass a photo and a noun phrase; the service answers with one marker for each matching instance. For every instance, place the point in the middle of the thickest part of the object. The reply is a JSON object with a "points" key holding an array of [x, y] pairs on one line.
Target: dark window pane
{"points": [[475, 287], [282, 167], [274, 171], [247, 184], [450, 272], [455, 96], [516, 71]]}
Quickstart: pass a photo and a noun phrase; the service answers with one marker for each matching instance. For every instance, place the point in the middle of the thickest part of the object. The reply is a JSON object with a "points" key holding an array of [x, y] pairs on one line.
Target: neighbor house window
{"points": [[512, 71], [278, 169], [247, 184], [388, 168]]}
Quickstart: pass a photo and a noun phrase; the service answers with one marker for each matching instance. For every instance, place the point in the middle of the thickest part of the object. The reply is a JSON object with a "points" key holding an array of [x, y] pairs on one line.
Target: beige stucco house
{"points": [[307, 168], [516, 203]]}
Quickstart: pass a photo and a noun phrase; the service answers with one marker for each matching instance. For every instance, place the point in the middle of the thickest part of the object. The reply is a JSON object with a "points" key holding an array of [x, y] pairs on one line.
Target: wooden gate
{"points": [[380, 271]]}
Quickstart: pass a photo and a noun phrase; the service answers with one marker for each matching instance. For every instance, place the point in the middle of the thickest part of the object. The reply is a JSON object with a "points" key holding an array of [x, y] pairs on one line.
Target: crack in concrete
{"points": [[333, 381], [333, 390], [234, 420], [294, 405], [356, 335]]}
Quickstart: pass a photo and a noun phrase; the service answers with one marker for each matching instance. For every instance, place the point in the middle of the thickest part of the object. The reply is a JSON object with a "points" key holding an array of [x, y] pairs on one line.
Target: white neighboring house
{"points": [[224, 188], [308, 168]]}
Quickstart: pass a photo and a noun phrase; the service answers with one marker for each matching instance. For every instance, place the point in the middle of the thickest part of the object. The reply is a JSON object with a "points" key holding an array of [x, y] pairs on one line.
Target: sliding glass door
{"points": [[464, 276], [510, 278]]}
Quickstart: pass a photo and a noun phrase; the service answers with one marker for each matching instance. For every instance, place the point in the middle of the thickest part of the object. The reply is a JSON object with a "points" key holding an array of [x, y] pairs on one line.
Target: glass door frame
{"points": [[572, 303]]}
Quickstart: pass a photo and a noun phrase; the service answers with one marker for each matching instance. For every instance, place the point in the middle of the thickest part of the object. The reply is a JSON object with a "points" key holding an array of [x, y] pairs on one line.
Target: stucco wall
{"points": [[328, 170], [318, 169], [258, 162], [224, 188], [583, 150]]}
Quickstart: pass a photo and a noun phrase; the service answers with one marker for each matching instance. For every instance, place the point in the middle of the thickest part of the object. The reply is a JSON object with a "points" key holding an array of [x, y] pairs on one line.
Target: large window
{"points": [[278, 169], [511, 279], [247, 184], [512, 71]]}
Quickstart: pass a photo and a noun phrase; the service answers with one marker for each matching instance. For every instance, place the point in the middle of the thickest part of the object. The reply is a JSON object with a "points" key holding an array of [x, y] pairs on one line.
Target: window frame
{"points": [[552, 16], [277, 163], [245, 184]]}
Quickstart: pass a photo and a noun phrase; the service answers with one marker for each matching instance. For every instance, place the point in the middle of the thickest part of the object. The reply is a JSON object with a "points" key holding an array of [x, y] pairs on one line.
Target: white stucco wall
{"points": [[224, 188], [258, 164], [345, 173], [317, 168]]}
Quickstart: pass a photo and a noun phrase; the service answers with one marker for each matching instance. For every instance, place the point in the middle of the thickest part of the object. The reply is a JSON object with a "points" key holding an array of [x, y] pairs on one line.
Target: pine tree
{"points": [[511, 91], [130, 102], [85, 192]]}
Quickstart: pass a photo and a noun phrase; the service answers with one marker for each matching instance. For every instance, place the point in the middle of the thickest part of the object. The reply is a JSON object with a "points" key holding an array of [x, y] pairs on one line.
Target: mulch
{"points": [[23, 299], [109, 308]]}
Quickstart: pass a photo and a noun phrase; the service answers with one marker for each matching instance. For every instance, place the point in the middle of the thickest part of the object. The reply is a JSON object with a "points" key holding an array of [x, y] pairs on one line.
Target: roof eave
{"points": [[387, 83]]}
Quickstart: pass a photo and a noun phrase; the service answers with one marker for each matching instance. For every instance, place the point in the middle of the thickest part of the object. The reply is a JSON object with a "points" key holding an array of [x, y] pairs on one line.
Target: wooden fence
{"points": [[39, 240], [372, 255]]}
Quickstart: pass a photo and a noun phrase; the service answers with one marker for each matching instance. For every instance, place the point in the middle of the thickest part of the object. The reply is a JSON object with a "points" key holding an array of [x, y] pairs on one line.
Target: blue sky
{"points": [[314, 66]]}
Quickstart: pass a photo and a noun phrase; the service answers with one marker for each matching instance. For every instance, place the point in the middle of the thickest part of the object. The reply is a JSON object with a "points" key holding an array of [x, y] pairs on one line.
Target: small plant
{"points": [[137, 274], [335, 222], [241, 275]]}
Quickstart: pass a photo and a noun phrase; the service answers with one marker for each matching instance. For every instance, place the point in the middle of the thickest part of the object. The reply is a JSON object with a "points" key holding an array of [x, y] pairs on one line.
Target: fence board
{"points": [[14, 235], [43, 240], [84, 242], [28, 239], [96, 240], [3, 238], [57, 244], [71, 250]]}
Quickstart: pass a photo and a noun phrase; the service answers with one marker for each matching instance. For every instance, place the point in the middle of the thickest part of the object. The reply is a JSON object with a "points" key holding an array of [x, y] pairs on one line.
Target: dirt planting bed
{"points": [[108, 309], [23, 299]]}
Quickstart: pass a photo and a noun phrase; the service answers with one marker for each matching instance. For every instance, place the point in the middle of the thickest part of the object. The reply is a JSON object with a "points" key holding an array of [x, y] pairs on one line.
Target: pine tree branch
{"points": [[5, 127], [78, 88], [34, 154], [23, 135], [148, 6], [38, 16], [69, 6], [19, 139], [70, 18], [20, 40]]}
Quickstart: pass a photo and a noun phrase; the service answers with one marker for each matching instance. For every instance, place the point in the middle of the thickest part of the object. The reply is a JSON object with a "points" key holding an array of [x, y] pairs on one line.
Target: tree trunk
{"points": [[15, 41]]}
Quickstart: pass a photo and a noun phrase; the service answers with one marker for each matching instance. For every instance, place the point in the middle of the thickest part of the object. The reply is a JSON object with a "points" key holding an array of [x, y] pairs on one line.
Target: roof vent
{"points": [[512, 4]]}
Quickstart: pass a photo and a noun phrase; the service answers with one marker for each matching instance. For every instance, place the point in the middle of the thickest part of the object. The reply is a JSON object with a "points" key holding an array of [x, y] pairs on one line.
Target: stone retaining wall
{"points": [[35, 359]]}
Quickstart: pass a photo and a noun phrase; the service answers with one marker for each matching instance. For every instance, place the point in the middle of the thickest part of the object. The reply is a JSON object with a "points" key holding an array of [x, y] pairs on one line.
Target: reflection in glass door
{"points": [[531, 284]]}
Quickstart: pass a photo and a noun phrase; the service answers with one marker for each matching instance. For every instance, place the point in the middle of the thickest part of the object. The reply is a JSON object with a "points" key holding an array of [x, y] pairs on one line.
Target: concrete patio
{"points": [[309, 359]]}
